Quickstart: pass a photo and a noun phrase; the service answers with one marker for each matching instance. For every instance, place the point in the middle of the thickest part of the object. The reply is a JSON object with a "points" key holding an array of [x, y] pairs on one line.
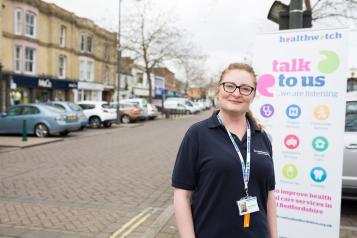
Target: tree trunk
{"points": [[148, 76]]}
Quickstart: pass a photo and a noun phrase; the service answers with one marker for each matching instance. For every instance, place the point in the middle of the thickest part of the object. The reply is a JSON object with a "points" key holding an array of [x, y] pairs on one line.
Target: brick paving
{"points": [[95, 181], [89, 186]]}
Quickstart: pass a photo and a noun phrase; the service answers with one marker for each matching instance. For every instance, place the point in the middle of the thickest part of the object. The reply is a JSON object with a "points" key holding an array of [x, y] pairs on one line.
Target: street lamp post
{"points": [[119, 64]]}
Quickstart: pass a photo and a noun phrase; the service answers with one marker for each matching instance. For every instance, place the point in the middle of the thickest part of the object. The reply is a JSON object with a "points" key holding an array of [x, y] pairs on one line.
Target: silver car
{"points": [[349, 179]]}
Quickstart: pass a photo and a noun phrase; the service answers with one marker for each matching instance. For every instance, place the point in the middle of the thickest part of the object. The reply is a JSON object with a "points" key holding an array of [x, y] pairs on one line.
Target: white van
{"points": [[177, 105]]}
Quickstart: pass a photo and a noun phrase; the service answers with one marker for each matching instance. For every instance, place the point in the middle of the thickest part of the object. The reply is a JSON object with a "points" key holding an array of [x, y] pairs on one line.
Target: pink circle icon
{"points": [[291, 142], [265, 82]]}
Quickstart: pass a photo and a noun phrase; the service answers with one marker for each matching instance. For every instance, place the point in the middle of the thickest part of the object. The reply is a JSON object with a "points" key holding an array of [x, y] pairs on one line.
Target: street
{"points": [[101, 183]]}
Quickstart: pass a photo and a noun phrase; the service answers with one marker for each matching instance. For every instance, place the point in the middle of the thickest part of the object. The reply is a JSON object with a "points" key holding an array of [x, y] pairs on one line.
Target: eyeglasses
{"points": [[243, 89]]}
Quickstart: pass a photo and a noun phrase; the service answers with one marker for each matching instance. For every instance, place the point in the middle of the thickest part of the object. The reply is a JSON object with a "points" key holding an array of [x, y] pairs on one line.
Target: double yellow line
{"points": [[131, 225]]}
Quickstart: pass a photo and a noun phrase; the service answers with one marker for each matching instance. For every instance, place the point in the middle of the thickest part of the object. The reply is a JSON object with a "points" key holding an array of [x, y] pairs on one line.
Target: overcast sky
{"points": [[224, 29]]}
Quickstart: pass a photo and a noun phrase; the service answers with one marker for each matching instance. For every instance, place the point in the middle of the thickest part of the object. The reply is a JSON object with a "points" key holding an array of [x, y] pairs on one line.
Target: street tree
{"points": [[341, 11], [153, 40]]}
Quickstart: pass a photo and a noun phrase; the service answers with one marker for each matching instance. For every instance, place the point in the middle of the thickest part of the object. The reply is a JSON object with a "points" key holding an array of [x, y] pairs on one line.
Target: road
{"points": [[98, 183]]}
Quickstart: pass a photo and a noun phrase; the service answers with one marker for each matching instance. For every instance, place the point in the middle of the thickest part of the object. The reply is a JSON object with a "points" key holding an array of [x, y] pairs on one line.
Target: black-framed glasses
{"points": [[243, 89]]}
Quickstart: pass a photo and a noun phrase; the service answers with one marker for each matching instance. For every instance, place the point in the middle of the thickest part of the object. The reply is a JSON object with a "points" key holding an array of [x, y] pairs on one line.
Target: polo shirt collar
{"points": [[214, 123]]}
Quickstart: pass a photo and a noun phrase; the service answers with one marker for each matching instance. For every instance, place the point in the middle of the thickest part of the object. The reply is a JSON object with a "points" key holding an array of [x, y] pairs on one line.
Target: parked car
{"points": [[138, 102], [152, 111], [129, 112], [188, 104], [177, 106], [98, 113], [349, 179], [71, 107], [41, 120]]}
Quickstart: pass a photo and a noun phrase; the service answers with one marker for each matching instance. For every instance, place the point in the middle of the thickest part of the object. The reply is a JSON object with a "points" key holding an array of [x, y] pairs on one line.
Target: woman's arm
{"points": [[271, 213], [183, 213]]}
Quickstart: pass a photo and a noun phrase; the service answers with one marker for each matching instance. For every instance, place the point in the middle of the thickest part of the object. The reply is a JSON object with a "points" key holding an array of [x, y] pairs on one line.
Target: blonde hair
{"points": [[249, 69]]}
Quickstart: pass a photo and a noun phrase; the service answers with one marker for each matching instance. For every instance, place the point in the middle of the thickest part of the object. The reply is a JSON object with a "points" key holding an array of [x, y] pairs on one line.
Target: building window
{"points": [[18, 22], [89, 71], [63, 36], [62, 67], [139, 78], [86, 70], [82, 43], [29, 60], [30, 24], [106, 53], [82, 67], [106, 74], [89, 44], [18, 58]]}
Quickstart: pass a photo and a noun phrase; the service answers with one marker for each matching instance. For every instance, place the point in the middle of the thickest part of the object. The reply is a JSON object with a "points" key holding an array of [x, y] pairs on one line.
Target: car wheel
{"points": [[41, 130], [107, 124], [95, 122], [125, 119]]}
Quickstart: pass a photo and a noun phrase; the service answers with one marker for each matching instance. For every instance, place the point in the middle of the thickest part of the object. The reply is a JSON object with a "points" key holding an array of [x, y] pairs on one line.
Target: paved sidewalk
{"points": [[16, 141]]}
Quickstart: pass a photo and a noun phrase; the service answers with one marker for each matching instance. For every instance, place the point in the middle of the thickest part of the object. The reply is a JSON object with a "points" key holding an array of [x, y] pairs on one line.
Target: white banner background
{"points": [[301, 101]]}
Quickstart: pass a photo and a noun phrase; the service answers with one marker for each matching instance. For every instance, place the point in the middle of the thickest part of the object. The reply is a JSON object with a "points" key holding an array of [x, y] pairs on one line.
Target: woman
{"points": [[216, 172]]}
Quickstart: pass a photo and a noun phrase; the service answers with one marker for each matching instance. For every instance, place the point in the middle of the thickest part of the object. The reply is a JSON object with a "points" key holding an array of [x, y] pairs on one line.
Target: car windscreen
{"points": [[351, 116], [74, 107]]}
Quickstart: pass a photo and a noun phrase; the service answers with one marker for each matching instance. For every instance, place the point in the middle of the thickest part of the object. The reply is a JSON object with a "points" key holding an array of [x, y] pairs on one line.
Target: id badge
{"points": [[247, 205]]}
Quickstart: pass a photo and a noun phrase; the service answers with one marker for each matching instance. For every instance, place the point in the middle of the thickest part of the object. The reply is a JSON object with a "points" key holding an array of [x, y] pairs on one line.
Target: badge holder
{"points": [[246, 206]]}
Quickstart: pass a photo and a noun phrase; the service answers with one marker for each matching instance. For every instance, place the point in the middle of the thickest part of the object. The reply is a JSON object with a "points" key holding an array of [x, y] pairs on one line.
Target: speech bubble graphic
{"points": [[265, 82], [330, 64]]}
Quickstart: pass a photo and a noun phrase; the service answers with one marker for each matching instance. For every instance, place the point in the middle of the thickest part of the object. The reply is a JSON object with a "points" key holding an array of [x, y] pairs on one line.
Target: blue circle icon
{"points": [[318, 174], [293, 111]]}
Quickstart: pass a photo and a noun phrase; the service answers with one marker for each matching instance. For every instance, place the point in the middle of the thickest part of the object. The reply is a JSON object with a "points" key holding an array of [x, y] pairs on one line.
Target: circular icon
{"points": [[320, 143], [293, 111], [290, 171], [318, 174], [291, 142], [267, 110], [321, 112]]}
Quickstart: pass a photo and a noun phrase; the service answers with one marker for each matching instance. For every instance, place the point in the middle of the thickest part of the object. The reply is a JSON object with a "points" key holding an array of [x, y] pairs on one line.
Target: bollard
{"points": [[24, 131], [167, 116]]}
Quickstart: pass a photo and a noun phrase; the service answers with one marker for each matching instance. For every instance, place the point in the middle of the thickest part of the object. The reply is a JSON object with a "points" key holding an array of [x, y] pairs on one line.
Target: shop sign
{"points": [[45, 83]]}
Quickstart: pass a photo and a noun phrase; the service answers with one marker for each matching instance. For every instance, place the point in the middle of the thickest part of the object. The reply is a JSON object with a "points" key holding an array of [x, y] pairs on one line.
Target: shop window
{"points": [[62, 67], [18, 51], [82, 42], [89, 44], [30, 60], [18, 21], [352, 84], [30, 27], [62, 36]]}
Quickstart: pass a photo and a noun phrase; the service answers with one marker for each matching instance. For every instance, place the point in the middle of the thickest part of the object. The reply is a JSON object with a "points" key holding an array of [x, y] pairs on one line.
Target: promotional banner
{"points": [[301, 102]]}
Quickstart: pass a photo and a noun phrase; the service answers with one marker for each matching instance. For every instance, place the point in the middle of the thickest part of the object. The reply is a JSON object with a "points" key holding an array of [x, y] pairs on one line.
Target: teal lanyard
{"points": [[245, 166]]}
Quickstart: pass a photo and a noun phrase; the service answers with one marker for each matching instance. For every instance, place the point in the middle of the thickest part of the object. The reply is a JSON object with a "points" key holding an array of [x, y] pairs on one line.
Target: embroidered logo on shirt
{"points": [[259, 152]]}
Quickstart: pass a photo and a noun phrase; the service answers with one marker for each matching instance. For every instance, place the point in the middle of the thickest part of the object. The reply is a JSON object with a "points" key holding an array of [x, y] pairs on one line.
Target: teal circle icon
{"points": [[318, 174], [320, 144]]}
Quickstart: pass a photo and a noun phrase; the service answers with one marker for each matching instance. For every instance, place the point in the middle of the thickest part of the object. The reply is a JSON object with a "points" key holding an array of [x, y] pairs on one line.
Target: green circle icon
{"points": [[290, 171], [320, 143]]}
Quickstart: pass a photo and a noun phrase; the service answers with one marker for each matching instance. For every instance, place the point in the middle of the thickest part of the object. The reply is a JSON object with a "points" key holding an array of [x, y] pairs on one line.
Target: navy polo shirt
{"points": [[208, 165]]}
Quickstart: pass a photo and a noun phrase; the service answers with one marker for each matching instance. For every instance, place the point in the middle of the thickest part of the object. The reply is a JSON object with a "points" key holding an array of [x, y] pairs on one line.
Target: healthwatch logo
{"points": [[287, 70]]}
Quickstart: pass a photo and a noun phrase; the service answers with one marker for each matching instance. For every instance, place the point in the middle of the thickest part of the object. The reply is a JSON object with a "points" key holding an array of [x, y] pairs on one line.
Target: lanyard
{"points": [[245, 166]]}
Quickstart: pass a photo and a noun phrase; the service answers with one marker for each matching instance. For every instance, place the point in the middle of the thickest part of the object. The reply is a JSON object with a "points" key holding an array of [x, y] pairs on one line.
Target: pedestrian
{"points": [[224, 162]]}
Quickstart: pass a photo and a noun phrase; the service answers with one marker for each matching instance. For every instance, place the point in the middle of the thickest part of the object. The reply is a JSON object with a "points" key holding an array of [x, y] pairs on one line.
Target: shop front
{"points": [[29, 89], [88, 91]]}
